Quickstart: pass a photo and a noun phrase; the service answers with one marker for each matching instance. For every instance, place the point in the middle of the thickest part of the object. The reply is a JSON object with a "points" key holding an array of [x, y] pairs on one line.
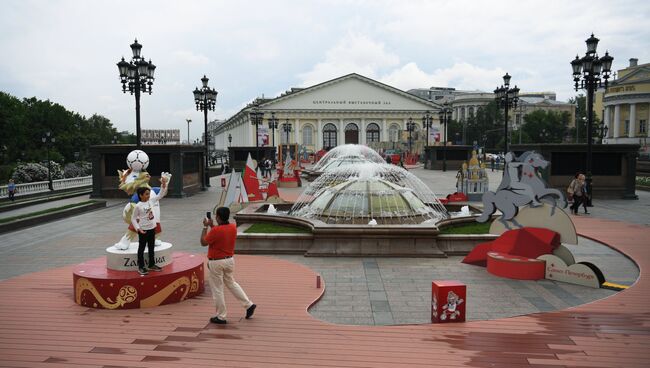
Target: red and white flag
{"points": [[251, 183], [273, 190]]}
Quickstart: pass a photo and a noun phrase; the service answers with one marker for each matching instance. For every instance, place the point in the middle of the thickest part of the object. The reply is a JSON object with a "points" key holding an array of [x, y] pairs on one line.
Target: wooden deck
{"points": [[41, 326]]}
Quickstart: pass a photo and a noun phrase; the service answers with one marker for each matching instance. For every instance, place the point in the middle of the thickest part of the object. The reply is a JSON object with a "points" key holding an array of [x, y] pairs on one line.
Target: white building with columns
{"points": [[625, 106], [348, 109]]}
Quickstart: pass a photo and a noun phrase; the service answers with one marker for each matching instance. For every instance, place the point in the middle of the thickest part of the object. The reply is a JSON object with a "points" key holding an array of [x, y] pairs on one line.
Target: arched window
{"points": [[372, 133], [307, 133], [329, 136], [471, 111], [352, 134], [393, 132]]}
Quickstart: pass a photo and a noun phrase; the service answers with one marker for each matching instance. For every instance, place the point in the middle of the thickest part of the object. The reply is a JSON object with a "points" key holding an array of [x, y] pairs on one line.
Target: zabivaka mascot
{"points": [[131, 179]]}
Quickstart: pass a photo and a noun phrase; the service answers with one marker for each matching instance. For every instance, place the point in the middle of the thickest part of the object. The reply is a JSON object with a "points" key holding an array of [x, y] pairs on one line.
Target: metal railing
{"points": [[42, 187]]}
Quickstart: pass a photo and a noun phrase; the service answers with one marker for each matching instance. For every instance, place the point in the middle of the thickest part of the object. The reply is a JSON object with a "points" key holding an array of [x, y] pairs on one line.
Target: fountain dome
{"points": [[356, 194], [348, 150]]}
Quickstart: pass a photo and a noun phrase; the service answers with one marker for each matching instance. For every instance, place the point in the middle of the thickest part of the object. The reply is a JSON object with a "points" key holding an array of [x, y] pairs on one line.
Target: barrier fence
{"points": [[42, 186]]}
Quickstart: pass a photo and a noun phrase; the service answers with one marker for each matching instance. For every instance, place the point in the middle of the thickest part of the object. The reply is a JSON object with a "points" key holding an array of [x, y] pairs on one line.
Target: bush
{"points": [[77, 169], [643, 180], [32, 171]]}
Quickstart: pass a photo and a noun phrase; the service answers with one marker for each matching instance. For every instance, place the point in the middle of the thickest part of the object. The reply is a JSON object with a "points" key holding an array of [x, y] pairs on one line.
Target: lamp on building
{"points": [[48, 139], [136, 76], [507, 98], [445, 116], [590, 73], [273, 124], [229, 139], [205, 99], [410, 127]]}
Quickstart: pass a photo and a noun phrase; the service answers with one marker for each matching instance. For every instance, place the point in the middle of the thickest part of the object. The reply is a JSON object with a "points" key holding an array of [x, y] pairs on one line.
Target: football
{"points": [[137, 160]]}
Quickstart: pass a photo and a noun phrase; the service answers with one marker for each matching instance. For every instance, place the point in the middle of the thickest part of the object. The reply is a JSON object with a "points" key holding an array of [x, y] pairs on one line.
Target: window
{"points": [[329, 136], [643, 128], [627, 127], [307, 133], [471, 111], [393, 133], [372, 133]]}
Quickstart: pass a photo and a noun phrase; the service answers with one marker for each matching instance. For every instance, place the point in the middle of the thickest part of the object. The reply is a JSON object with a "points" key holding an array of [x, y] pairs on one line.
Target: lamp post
{"points": [[256, 117], [205, 99], [48, 139], [507, 98], [603, 131], [229, 140], [188, 130], [445, 115], [136, 76], [286, 127], [410, 126], [114, 140], [427, 121], [273, 124], [591, 72]]}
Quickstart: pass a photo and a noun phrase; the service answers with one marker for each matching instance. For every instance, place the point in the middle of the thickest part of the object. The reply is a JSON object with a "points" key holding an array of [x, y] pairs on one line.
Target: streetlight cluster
{"points": [[48, 139], [205, 99], [257, 118], [590, 73], [136, 76], [410, 127], [273, 124], [507, 98], [427, 122], [286, 127], [445, 117]]}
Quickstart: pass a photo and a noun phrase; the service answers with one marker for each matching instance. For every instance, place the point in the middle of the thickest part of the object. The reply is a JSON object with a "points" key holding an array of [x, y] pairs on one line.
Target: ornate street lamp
{"points": [[507, 98], [286, 127], [427, 121], [273, 124], [205, 99], [590, 73], [410, 127], [256, 117], [136, 76], [445, 116], [188, 130], [48, 139]]}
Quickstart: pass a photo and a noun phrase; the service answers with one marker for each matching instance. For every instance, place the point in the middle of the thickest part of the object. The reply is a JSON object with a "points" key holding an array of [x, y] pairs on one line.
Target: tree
{"points": [[485, 126], [578, 132], [546, 126]]}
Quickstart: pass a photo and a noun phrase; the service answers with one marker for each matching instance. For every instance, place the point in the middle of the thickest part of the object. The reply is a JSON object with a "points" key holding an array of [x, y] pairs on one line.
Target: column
{"points": [[384, 137], [632, 132], [319, 136], [617, 121], [362, 131], [607, 121], [296, 134], [251, 133], [341, 133]]}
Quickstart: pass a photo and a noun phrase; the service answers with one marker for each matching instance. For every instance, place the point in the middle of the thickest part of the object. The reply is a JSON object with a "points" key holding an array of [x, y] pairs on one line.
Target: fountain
{"points": [[348, 154]]}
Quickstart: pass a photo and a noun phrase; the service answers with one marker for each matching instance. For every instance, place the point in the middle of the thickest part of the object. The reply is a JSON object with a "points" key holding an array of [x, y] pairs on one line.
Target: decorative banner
{"points": [[585, 274]]}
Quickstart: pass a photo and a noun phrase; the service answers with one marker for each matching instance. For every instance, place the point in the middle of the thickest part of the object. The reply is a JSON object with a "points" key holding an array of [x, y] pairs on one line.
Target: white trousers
{"points": [[221, 272]]}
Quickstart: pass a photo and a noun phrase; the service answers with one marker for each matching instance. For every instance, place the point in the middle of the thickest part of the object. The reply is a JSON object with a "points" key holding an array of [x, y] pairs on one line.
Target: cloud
{"points": [[354, 53], [461, 75], [189, 58]]}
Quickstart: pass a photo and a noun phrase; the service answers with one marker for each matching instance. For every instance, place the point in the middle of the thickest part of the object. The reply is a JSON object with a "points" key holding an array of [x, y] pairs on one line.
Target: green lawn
{"points": [[467, 228], [43, 212], [275, 229]]}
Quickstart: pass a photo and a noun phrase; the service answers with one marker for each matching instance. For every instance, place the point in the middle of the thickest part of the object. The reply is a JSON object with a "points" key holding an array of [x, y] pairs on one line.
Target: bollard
{"points": [[448, 300]]}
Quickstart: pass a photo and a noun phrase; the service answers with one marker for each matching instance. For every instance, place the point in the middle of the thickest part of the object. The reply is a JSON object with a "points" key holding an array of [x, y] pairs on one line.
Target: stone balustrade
{"points": [[42, 186]]}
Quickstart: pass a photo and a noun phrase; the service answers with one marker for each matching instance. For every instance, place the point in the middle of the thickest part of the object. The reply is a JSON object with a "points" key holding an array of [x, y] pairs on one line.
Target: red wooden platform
{"points": [[99, 287], [41, 326]]}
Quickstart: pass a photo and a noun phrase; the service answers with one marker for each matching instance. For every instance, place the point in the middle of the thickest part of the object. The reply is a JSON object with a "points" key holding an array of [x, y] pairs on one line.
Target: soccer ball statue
{"points": [[137, 160]]}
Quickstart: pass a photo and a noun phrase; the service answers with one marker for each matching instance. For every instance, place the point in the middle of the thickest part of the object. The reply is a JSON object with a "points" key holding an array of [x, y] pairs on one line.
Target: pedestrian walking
{"points": [[11, 189], [575, 191], [586, 196], [220, 240], [492, 163]]}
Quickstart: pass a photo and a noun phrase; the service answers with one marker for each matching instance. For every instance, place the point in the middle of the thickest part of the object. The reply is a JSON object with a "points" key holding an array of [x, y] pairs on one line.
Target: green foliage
{"points": [[485, 126], [274, 229], [24, 123], [77, 169], [546, 126], [643, 180], [467, 228], [31, 172]]}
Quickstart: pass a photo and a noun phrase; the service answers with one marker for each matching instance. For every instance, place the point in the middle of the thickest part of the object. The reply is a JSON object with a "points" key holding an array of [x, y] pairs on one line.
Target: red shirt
{"points": [[221, 241]]}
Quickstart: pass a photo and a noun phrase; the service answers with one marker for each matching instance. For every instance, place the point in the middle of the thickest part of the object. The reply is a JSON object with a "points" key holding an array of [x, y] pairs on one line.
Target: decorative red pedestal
{"points": [[448, 298], [95, 286], [515, 267]]}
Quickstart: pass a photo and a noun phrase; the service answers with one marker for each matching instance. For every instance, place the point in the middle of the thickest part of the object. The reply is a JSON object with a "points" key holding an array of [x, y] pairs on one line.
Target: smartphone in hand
{"points": [[208, 215]]}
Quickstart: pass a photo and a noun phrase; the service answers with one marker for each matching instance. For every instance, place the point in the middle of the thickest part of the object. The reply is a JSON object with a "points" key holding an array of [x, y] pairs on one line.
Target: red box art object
{"points": [[448, 300]]}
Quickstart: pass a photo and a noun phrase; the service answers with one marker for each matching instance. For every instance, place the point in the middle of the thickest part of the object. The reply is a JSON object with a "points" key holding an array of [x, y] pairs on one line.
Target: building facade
{"points": [[348, 109], [161, 136], [624, 107]]}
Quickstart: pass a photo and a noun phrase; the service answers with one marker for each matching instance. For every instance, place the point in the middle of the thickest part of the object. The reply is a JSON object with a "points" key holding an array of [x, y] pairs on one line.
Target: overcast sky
{"points": [[66, 51]]}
